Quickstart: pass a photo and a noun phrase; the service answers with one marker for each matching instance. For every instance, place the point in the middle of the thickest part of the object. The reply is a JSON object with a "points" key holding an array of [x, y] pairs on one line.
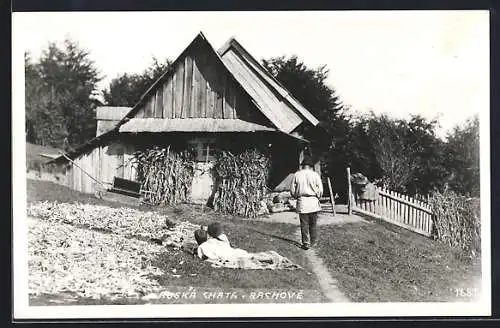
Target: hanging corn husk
{"points": [[241, 182], [166, 175], [457, 221]]}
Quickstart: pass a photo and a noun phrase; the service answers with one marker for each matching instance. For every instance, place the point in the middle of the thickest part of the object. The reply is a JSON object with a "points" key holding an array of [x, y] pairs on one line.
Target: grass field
{"points": [[36, 162], [378, 262], [33, 159]]}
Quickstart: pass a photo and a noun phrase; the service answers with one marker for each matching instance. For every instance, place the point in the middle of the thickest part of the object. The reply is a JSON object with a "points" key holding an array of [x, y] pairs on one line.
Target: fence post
{"points": [[332, 198], [349, 191]]}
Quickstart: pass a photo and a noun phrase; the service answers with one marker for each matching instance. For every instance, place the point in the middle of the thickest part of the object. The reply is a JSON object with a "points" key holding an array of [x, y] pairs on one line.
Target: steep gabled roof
{"points": [[233, 49], [131, 113], [279, 110], [282, 116]]}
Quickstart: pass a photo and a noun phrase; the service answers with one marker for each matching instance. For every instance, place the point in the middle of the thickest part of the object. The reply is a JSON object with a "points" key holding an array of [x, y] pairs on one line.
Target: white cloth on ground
{"points": [[220, 254], [217, 248], [269, 260]]}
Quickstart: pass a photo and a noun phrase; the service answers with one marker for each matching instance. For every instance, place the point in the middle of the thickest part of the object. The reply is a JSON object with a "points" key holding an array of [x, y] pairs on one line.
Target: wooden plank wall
{"points": [[129, 169], [200, 88], [101, 163], [110, 162]]}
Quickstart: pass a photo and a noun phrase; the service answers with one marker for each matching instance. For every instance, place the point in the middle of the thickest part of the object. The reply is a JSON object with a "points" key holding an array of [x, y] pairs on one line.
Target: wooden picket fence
{"points": [[412, 213]]}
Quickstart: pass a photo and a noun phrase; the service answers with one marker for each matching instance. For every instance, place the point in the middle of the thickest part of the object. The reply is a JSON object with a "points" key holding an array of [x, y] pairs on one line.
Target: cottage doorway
{"points": [[284, 160]]}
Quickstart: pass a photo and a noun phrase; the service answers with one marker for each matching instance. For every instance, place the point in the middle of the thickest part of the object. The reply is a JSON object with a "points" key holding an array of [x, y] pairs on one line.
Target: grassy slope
{"points": [[33, 159], [376, 262], [251, 236]]}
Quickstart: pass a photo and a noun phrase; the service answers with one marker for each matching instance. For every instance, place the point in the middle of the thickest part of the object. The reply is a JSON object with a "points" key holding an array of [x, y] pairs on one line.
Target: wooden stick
{"points": [[349, 209], [393, 205], [332, 200], [406, 217]]}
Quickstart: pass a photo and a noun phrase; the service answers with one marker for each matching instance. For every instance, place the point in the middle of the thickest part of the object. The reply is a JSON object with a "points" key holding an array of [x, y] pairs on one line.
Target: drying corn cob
{"points": [[242, 182]]}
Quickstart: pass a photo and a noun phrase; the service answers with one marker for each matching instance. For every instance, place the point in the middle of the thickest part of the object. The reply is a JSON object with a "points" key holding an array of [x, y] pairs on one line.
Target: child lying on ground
{"points": [[214, 246]]}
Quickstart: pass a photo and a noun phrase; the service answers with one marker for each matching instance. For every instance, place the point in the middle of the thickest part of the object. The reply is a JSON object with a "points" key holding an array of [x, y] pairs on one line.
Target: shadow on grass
{"points": [[290, 241]]}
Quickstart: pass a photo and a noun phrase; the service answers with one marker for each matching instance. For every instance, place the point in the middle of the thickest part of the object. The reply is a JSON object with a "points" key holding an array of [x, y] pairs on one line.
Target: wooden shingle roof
{"points": [[283, 117], [254, 76], [271, 98]]}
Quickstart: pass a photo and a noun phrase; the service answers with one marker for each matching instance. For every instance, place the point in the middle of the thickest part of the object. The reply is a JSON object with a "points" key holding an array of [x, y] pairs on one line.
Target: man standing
{"points": [[307, 188]]}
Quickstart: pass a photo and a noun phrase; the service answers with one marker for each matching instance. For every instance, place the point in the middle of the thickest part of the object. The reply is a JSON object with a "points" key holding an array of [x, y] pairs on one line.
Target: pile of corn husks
{"points": [[122, 221], [457, 221], [67, 254]]}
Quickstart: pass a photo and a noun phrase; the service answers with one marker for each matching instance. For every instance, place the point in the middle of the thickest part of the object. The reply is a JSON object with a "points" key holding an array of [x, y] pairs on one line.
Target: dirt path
{"points": [[323, 218], [327, 283]]}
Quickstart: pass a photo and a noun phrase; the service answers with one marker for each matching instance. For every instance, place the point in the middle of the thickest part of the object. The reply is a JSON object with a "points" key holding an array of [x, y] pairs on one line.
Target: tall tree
{"points": [[124, 90], [61, 89], [45, 123], [127, 89], [309, 86], [33, 83], [405, 155], [428, 155], [462, 159], [393, 155]]}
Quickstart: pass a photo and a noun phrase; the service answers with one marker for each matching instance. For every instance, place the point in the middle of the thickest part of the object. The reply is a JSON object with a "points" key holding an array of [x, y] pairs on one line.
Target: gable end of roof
{"points": [[268, 78]]}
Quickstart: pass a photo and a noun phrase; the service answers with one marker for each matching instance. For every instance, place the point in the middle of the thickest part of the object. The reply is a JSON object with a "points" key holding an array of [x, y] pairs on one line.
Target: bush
{"points": [[241, 182], [457, 221]]}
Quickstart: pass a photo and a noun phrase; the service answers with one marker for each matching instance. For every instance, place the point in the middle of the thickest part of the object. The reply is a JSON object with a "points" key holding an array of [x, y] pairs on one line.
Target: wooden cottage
{"points": [[208, 100]]}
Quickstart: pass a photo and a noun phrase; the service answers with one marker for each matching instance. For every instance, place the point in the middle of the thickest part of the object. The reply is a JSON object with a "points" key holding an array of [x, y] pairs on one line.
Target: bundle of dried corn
{"points": [[166, 175], [241, 182], [457, 221]]}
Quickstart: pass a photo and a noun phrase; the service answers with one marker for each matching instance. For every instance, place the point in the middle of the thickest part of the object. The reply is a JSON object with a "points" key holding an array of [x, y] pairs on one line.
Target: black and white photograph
{"points": [[174, 164]]}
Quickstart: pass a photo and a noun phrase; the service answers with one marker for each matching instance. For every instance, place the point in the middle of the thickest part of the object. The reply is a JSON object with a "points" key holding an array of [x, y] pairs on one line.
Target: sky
{"points": [[432, 63]]}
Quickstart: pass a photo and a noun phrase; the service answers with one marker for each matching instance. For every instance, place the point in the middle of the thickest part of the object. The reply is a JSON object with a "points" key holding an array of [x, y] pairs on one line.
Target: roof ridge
{"points": [[254, 101], [252, 58], [285, 93], [200, 35], [133, 110], [135, 107]]}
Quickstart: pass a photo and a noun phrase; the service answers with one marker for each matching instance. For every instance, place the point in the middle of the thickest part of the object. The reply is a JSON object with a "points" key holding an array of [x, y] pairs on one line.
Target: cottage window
{"points": [[205, 149]]}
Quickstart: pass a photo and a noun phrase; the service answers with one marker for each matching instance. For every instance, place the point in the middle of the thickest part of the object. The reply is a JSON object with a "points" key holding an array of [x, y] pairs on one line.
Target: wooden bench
{"points": [[126, 187]]}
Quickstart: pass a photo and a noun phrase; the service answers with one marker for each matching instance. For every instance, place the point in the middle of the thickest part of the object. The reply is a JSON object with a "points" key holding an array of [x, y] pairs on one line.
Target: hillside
{"points": [[33, 158]]}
